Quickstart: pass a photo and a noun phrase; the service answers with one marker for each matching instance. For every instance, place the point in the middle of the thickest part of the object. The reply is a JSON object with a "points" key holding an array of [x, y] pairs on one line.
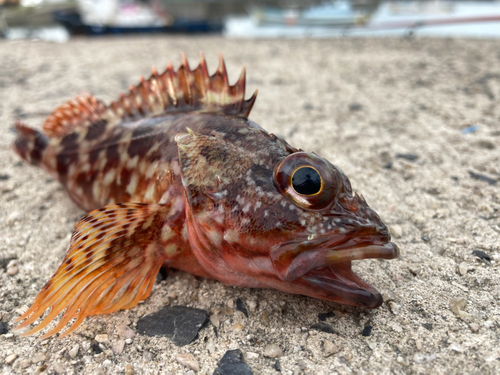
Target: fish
{"points": [[174, 174]]}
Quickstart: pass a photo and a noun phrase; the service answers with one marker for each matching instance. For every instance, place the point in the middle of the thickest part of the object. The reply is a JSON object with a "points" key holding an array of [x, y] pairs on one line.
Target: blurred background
{"points": [[60, 20]]}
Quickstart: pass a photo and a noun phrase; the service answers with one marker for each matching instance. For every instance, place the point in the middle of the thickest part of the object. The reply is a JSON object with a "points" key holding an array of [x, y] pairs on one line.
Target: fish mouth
{"points": [[322, 267]]}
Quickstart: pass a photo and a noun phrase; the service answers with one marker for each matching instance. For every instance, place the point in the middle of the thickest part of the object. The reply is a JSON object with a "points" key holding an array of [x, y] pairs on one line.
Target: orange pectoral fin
{"points": [[114, 256]]}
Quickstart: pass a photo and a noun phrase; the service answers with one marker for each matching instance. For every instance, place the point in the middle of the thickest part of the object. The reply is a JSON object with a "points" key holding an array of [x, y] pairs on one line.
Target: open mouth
{"points": [[325, 265]]}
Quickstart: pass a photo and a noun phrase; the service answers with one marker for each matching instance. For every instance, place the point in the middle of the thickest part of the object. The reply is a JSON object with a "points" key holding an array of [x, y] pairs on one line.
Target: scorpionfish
{"points": [[174, 174]]}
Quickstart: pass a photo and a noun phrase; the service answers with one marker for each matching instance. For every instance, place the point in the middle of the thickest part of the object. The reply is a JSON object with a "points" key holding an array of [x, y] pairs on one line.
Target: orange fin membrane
{"points": [[81, 111], [185, 90], [112, 263]]}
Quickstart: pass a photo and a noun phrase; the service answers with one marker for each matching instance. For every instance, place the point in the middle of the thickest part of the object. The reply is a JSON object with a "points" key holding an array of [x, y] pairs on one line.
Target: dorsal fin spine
{"points": [[183, 90]]}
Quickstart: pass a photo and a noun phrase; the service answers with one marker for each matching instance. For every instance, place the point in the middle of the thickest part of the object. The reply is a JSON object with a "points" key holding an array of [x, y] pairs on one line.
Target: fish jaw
{"points": [[321, 267]]}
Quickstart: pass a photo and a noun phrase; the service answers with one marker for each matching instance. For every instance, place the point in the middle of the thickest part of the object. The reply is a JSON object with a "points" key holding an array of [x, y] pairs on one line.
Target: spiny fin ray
{"points": [[185, 90], [81, 111], [112, 262]]}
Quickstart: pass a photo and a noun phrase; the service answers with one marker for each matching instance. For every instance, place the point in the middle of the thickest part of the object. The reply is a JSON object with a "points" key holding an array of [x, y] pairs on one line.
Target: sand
{"points": [[358, 103]]}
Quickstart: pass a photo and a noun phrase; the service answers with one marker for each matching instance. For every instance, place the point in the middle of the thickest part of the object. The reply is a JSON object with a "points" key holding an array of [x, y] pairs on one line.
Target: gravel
{"points": [[415, 96]]}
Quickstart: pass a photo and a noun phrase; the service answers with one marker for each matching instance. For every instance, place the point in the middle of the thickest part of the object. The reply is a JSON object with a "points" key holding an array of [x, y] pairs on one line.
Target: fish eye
{"points": [[307, 180]]}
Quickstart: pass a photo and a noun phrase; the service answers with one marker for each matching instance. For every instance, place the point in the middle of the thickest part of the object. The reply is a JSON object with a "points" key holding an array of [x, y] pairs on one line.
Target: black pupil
{"points": [[306, 181]]}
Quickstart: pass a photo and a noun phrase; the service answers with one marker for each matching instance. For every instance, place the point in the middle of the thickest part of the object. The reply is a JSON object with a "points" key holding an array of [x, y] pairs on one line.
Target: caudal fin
{"points": [[30, 143]]}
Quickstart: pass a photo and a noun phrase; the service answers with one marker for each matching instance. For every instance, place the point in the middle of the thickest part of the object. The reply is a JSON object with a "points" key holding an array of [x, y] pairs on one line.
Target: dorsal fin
{"points": [[185, 90], [80, 111]]}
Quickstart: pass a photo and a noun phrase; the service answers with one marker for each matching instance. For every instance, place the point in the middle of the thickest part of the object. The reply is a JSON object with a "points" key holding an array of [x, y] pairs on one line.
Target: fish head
{"points": [[281, 218]]}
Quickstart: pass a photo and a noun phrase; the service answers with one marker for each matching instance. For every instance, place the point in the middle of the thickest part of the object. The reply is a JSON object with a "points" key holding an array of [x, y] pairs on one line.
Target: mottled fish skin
{"points": [[175, 173]]}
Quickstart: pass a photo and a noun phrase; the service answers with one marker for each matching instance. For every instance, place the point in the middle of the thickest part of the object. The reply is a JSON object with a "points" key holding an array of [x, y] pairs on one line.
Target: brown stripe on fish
{"points": [[30, 144]]}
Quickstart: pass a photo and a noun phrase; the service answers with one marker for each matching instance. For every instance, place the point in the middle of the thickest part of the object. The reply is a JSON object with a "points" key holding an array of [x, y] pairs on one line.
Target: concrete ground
{"points": [[367, 105]]}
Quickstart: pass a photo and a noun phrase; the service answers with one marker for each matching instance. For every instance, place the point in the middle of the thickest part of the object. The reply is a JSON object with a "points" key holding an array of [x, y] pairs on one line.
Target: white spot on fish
{"points": [[231, 236], [171, 249], [149, 194], [150, 170], [148, 222], [166, 233], [109, 177], [132, 185]]}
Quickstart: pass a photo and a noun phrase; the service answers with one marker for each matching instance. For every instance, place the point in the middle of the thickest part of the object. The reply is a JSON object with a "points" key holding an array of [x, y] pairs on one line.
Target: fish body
{"points": [[174, 173]]}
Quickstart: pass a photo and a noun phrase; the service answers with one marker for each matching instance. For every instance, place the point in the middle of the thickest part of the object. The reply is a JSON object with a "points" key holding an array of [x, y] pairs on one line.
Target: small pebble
{"points": [[265, 318], [238, 327], [388, 296], [39, 357], [118, 346], [457, 304], [125, 332], [355, 106], [409, 157], [231, 303], [395, 308], [251, 355], [456, 347], [418, 344], [232, 363], [240, 306], [101, 338], [11, 358], [277, 365], [367, 331], [463, 268], [252, 305], [58, 368], [129, 370], [481, 255], [188, 360], [396, 231], [427, 326], [415, 259], [4, 328], [147, 356], [128, 341], [211, 347], [179, 323], [11, 271], [215, 320], [272, 351], [107, 363], [73, 352], [325, 316], [474, 327], [330, 348]]}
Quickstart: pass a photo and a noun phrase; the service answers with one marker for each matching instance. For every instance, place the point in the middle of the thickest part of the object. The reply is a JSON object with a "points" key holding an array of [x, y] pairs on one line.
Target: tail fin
{"points": [[30, 144]]}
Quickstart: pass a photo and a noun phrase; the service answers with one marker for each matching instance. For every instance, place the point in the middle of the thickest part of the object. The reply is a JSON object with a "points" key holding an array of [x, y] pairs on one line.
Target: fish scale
{"points": [[174, 173]]}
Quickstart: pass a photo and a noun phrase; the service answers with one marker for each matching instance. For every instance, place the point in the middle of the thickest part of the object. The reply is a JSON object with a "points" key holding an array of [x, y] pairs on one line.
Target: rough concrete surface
{"points": [[357, 102]]}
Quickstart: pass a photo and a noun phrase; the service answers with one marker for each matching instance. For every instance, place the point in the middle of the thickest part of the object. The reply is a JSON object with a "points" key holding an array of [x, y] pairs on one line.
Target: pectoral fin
{"points": [[112, 262]]}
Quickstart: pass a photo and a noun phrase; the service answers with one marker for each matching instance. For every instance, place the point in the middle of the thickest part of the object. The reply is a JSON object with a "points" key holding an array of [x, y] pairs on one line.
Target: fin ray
{"points": [[81, 111], [91, 277]]}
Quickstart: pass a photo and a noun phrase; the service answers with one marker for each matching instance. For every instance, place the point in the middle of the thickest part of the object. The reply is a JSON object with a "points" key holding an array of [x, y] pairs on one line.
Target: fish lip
{"points": [[322, 265], [343, 252], [342, 286]]}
